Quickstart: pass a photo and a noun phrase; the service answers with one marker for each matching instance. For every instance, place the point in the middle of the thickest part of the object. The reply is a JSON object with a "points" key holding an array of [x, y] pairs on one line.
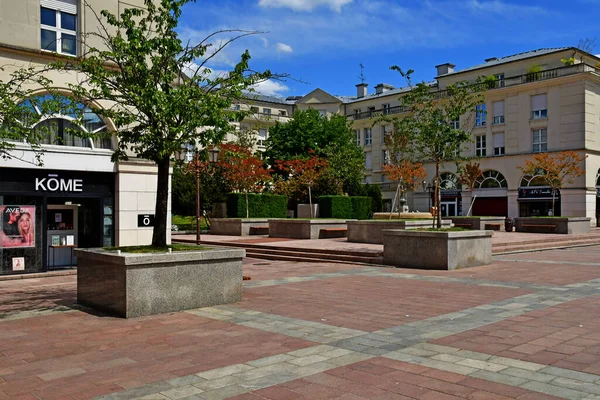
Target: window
{"points": [[283, 113], [540, 140], [356, 113], [267, 111], [491, 179], [480, 115], [368, 138], [254, 109], [456, 124], [499, 80], [357, 133], [322, 113], [58, 23], [498, 143], [262, 137], [386, 109], [368, 162], [480, 146], [539, 107], [498, 107], [385, 130], [235, 107], [385, 157]]}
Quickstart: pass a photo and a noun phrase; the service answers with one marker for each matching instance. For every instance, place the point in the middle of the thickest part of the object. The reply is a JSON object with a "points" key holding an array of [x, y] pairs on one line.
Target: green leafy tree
{"points": [[428, 132], [158, 90]]}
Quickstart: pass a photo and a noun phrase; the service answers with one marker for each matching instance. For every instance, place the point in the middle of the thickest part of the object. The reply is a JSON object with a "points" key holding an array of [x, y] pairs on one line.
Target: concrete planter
{"points": [[566, 225], [235, 226], [132, 285], [437, 250], [304, 228], [479, 223], [304, 211], [371, 231]]}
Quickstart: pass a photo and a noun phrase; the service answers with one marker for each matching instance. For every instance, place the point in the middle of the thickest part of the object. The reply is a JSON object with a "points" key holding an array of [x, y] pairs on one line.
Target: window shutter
{"points": [[539, 102], [498, 109], [499, 139], [68, 6]]}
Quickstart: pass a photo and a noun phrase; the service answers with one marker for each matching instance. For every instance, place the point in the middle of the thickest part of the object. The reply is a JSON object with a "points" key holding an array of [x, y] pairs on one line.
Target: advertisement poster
{"points": [[18, 263], [17, 226]]}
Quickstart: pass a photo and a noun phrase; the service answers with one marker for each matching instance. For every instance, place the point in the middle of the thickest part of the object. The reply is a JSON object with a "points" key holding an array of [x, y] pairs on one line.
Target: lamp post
{"points": [[429, 188], [197, 166]]}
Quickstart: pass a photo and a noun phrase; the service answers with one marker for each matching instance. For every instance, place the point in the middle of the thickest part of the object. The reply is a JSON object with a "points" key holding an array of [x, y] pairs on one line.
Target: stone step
{"points": [[303, 254], [517, 247], [304, 257]]}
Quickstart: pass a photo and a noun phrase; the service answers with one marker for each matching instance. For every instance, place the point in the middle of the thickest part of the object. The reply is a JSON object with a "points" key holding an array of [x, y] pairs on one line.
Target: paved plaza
{"points": [[525, 327]]}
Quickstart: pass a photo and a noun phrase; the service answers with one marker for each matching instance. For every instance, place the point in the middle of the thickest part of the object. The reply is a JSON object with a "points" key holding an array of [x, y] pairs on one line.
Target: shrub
{"points": [[372, 191], [335, 207], [361, 207], [259, 205]]}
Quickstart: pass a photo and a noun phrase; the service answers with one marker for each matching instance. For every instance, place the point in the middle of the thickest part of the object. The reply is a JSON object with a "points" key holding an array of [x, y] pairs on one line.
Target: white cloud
{"points": [[305, 5], [283, 48], [265, 41], [270, 88]]}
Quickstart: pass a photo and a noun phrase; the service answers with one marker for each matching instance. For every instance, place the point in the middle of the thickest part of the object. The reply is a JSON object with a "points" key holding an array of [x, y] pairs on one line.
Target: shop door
{"points": [[448, 208]]}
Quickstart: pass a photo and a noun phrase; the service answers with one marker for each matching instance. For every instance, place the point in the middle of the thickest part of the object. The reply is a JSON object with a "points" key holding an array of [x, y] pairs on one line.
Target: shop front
{"points": [[45, 214], [451, 203], [537, 202]]}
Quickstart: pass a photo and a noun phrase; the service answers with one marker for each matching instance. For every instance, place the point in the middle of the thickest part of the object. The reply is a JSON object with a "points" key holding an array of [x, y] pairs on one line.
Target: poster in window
{"points": [[17, 226], [18, 263]]}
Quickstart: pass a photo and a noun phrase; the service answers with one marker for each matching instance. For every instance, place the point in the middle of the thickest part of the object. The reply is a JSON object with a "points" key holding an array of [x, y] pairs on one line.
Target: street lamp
{"points": [[196, 166], [429, 188]]}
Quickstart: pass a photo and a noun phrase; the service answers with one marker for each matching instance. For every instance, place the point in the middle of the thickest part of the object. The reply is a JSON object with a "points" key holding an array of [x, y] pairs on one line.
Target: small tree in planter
{"points": [[469, 175], [305, 172], [556, 169], [407, 174], [243, 171]]}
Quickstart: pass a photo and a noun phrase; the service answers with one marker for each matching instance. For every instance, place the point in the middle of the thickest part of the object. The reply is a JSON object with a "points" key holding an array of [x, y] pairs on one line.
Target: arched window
{"points": [[63, 130], [491, 179], [533, 180], [449, 181]]}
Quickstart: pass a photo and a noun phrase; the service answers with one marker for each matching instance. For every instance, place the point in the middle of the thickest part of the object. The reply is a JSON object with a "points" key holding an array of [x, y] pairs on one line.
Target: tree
{"points": [[407, 174], [244, 172], [157, 90], [305, 172], [556, 169], [214, 189], [468, 176], [429, 132], [328, 137]]}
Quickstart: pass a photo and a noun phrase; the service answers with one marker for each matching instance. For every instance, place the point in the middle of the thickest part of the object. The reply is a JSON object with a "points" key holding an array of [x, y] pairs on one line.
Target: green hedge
{"points": [[361, 207], [335, 207], [259, 205]]}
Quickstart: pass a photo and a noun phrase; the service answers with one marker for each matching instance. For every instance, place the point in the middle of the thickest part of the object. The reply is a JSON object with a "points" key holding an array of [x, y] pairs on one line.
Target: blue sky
{"points": [[322, 42]]}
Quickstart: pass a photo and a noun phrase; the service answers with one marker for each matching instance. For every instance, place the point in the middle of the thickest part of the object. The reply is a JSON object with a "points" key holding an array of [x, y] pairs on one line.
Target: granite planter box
{"points": [[235, 226], [479, 223], [437, 250], [370, 231], [132, 285], [563, 225], [305, 228]]}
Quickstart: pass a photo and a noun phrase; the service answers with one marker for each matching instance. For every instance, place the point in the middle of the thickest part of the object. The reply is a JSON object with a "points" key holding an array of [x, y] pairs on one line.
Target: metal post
{"points": [[198, 212]]}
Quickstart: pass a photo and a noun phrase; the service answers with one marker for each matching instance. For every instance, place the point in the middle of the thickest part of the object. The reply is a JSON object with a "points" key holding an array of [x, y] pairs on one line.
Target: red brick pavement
{"points": [[384, 379], [266, 269], [370, 303], [37, 294], [566, 336], [82, 356]]}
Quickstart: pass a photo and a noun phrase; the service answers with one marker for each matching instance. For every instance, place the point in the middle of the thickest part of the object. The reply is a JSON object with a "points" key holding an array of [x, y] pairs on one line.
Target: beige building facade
{"points": [[79, 197]]}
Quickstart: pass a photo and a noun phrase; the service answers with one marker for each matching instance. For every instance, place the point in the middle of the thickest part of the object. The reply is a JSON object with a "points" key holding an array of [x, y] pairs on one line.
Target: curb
{"points": [[49, 274]]}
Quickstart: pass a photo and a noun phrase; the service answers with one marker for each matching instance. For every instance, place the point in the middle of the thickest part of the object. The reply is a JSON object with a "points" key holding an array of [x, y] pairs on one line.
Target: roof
{"points": [[268, 99], [511, 58], [348, 99]]}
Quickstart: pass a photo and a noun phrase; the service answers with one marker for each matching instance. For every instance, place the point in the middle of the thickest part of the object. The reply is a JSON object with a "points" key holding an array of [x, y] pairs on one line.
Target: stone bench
{"points": [[541, 227], [493, 227], [465, 226], [259, 230], [331, 233]]}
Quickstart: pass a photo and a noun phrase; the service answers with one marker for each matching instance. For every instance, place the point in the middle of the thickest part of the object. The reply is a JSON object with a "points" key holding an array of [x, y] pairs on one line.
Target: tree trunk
{"points": [[247, 210], [553, 191], [159, 234], [398, 197], [310, 202], [438, 195]]}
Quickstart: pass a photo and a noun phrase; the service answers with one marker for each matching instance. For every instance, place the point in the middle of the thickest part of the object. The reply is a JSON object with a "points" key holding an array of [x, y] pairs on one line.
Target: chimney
{"points": [[382, 87], [444, 69], [361, 90], [491, 59]]}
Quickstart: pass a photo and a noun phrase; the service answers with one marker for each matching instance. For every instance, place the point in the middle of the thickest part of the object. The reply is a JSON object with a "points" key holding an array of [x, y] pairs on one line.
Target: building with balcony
{"points": [[545, 100], [79, 197]]}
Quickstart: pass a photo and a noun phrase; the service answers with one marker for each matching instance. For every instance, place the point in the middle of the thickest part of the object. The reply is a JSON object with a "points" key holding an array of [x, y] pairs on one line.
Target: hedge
{"points": [[361, 207], [335, 207], [259, 205]]}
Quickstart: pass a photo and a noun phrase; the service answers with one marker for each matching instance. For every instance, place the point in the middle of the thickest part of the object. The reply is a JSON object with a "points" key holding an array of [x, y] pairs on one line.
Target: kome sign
{"points": [[55, 184]]}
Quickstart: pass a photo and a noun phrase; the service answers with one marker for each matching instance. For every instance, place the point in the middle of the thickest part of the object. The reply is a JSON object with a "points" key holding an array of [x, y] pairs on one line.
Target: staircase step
{"points": [[278, 257], [305, 254]]}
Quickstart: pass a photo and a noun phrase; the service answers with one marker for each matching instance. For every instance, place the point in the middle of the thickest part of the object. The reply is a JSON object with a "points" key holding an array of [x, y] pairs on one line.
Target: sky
{"points": [[322, 43]]}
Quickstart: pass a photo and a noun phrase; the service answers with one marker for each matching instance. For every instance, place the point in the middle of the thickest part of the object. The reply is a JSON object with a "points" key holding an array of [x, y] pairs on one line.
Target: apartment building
{"points": [[553, 109], [79, 197]]}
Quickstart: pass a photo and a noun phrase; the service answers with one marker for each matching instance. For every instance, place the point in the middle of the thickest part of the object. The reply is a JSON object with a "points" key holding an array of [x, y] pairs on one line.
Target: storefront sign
{"points": [[17, 226], [538, 193], [450, 193], [53, 184], [145, 220]]}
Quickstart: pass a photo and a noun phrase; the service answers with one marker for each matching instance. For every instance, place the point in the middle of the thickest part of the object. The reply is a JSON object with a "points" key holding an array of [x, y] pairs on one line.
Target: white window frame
{"points": [[539, 112], [480, 115], [262, 133], [498, 117], [480, 146], [267, 111], [59, 9], [456, 124], [537, 144], [368, 137], [385, 157], [357, 135], [498, 150], [386, 108], [499, 79]]}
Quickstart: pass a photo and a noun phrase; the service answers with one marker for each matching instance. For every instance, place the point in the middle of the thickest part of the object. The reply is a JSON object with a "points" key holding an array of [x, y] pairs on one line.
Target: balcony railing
{"points": [[491, 85]]}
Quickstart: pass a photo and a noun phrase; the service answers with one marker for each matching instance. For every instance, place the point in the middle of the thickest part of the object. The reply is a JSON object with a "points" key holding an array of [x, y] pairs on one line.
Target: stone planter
{"points": [[370, 231], [407, 215], [306, 228], [132, 285], [304, 211], [237, 226], [566, 225], [479, 223], [437, 250]]}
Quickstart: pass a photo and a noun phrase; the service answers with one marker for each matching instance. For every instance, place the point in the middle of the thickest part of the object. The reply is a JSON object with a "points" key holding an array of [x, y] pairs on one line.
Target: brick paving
{"points": [[525, 327]]}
